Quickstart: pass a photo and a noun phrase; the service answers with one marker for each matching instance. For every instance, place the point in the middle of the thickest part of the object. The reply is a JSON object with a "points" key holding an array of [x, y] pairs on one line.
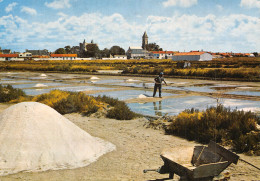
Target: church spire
{"points": [[144, 40]]}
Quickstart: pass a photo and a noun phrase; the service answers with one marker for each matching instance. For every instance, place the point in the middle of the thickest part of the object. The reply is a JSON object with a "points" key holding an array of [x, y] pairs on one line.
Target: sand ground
{"points": [[138, 148]]}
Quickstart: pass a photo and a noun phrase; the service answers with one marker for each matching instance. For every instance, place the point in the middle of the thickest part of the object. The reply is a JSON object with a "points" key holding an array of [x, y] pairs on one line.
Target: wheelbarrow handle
{"points": [[152, 170]]}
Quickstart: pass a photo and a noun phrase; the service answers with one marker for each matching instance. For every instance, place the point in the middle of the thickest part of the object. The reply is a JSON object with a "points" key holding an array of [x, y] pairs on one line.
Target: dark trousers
{"points": [[155, 89]]}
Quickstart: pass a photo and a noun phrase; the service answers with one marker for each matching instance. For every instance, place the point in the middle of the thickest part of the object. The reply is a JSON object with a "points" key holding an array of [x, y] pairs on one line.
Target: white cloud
{"points": [[61, 14], [1, 1], [250, 3], [28, 10], [237, 33], [190, 32], [181, 3], [105, 30], [219, 7], [58, 4], [10, 7]]}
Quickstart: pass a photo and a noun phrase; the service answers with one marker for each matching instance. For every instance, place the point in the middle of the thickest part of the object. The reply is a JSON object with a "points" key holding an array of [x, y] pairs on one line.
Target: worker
{"points": [[158, 84]]}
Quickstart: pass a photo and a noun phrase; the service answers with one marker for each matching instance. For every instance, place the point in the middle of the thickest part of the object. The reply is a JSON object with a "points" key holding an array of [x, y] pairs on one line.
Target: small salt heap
{"points": [[43, 75], [94, 78], [143, 96], [40, 85], [132, 80]]}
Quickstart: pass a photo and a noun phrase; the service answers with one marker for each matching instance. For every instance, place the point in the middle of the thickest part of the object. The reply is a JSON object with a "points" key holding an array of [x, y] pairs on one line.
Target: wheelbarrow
{"points": [[206, 163]]}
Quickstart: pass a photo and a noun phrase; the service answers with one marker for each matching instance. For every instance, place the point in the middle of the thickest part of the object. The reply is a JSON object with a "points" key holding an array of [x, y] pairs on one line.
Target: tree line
{"points": [[94, 51]]}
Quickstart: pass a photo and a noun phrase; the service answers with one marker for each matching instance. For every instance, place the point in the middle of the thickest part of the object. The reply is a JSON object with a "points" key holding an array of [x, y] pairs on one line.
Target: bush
{"points": [[8, 93], [69, 102], [121, 112], [220, 124]]}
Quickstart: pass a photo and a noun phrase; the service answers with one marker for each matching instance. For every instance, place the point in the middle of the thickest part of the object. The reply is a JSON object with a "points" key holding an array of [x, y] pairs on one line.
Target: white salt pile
{"points": [[43, 75], [94, 78], [132, 80], [35, 137], [40, 85], [143, 96]]}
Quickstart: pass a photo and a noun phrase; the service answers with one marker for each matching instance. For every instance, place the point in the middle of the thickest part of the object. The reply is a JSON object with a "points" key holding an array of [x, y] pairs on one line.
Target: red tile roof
{"points": [[63, 55], [188, 53], [8, 55], [163, 52]]}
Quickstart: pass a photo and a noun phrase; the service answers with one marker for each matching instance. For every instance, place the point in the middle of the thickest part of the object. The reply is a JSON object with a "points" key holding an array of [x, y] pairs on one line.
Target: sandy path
{"points": [[138, 148]]}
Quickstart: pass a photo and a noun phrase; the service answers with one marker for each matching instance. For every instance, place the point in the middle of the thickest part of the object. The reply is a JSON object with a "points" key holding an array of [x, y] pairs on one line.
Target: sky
{"points": [[175, 25]]}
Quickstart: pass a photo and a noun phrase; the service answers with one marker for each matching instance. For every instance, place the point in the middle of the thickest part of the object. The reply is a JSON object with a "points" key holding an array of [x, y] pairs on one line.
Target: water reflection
{"points": [[157, 110], [174, 106]]}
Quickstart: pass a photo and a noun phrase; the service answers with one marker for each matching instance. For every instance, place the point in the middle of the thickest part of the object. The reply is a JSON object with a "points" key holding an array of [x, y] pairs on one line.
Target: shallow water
{"points": [[199, 89], [106, 81], [47, 84], [245, 93], [174, 106], [82, 88], [13, 81], [128, 94], [171, 106], [40, 90]]}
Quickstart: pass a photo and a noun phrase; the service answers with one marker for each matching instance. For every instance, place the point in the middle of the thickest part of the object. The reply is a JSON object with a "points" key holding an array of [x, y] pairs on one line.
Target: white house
{"points": [[120, 57], [192, 56], [25, 55], [10, 57], [63, 57], [162, 54]]}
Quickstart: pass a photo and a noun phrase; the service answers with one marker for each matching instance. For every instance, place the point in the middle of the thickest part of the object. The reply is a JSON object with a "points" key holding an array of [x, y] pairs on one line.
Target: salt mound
{"points": [[132, 80], [35, 137], [142, 96], [94, 78], [40, 85], [43, 75]]}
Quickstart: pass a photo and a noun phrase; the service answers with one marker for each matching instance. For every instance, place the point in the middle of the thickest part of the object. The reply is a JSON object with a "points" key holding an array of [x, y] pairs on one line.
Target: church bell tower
{"points": [[145, 40]]}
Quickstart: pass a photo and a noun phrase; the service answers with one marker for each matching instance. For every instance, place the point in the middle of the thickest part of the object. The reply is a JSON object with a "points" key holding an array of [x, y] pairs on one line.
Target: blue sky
{"points": [[177, 25]]}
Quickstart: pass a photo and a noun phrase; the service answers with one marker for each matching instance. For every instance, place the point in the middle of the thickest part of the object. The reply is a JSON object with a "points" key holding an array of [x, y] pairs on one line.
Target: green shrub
{"points": [[76, 102], [109, 100], [68, 102], [219, 124], [8, 93], [121, 112]]}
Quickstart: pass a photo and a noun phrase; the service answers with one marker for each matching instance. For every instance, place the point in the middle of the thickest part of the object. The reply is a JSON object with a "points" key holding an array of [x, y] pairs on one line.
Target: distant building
{"points": [[25, 55], [83, 46], [10, 57], [63, 57], [5, 51], [38, 52], [136, 53], [121, 57], [144, 40], [192, 56], [162, 54]]}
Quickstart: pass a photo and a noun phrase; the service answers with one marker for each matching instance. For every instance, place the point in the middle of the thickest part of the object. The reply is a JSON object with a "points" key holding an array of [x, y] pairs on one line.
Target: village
{"points": [[146, 51]]}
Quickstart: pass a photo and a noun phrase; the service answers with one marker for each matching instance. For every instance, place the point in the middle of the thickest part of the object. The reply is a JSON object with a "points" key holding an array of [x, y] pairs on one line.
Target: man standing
{"points": [[158, 84]]}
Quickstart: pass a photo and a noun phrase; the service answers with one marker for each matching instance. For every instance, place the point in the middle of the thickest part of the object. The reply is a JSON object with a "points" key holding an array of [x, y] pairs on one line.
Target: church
{"points": [[139, 52]]}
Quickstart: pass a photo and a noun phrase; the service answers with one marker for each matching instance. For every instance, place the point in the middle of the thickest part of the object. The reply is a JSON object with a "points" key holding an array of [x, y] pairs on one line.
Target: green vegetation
{"points": [[233, 127], [236, 68], [119, 111], [68, 102], [8, 93]]}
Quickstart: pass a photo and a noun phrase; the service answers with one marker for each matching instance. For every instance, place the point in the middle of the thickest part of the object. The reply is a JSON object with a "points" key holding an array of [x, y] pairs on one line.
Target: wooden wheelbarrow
{"points": [[207, 162]]}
